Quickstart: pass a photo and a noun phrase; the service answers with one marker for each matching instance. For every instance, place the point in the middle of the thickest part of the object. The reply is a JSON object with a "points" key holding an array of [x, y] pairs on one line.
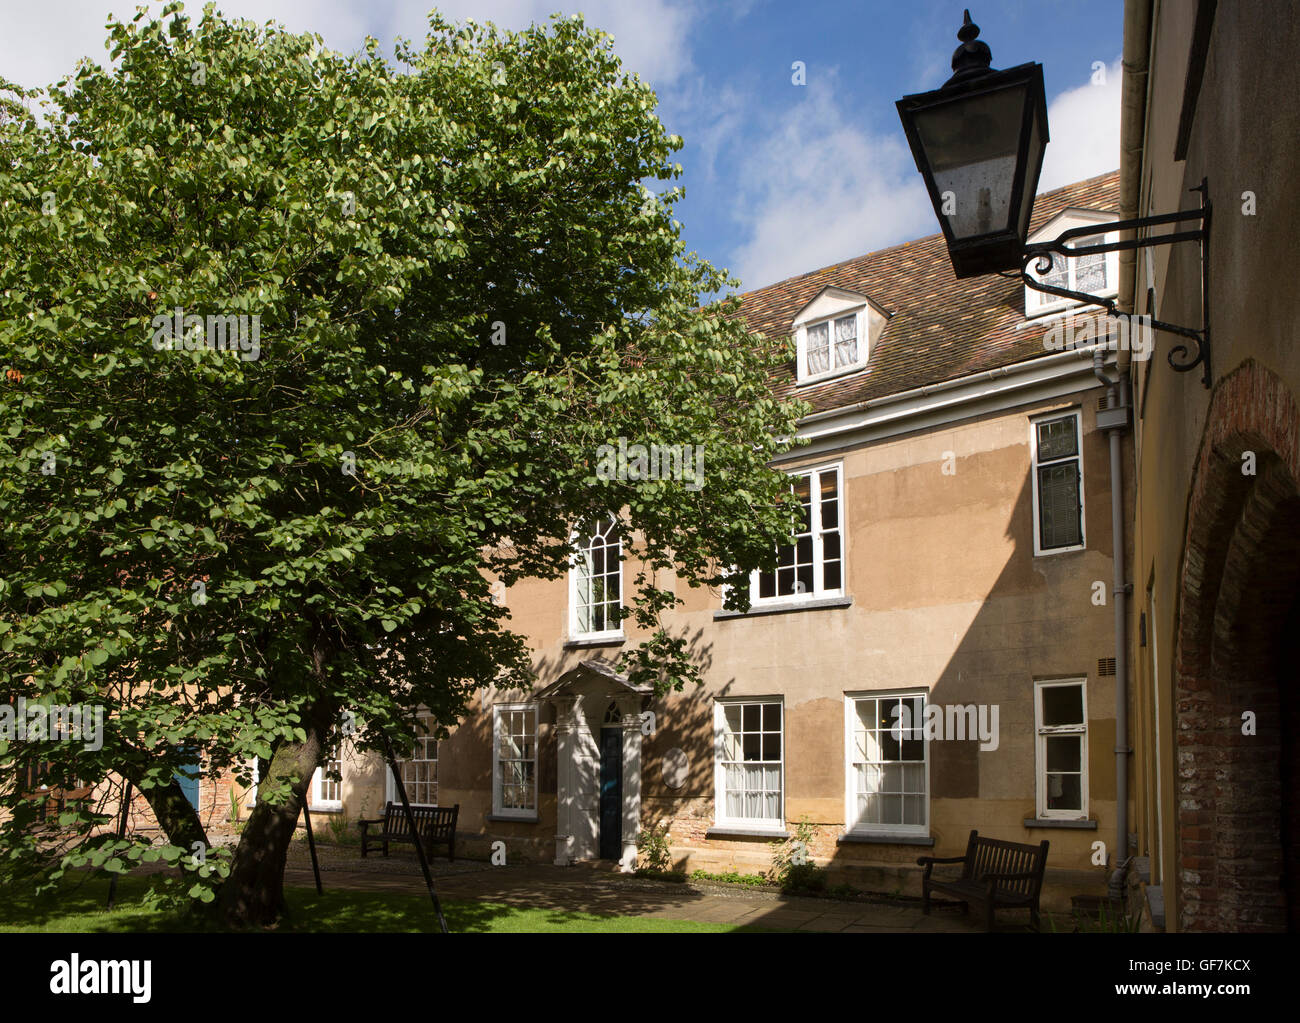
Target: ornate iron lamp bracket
{"points": [[1043, 254]]}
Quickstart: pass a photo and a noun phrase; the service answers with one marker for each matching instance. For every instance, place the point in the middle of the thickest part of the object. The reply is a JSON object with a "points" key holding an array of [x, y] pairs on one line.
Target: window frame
{"points": [[516, 813], [318, 782], [423, 739], [605, 634], [720, 817], [1065, 221], [1034, 463], [862, 325], [851, 824], [1043, 732], [818, 592]]}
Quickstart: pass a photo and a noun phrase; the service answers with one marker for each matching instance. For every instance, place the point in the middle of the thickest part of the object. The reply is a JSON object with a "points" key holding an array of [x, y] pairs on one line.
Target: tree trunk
{"points": [[253, 894]]}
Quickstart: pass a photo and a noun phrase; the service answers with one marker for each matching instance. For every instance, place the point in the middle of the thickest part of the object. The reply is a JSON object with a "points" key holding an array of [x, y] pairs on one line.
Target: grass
{"points": [[79, 908]]}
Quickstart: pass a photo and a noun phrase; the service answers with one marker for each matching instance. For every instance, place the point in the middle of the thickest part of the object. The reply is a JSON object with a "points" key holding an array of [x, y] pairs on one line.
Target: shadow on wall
{"points": [[1037, 620]]}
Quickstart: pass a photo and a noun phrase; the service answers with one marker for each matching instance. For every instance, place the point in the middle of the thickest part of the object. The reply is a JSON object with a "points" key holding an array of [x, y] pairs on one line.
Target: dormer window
{"points": [[1094, 275], [834, 333]]}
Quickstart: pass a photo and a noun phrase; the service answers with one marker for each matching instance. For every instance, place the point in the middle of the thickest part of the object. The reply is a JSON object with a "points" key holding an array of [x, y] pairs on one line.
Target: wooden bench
{"points": [[995, 874], [434, 825]]}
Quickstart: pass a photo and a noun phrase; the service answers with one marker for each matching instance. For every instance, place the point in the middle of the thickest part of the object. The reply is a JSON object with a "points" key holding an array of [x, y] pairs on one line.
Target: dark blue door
{"points": [[188, 777], [611, 793]]}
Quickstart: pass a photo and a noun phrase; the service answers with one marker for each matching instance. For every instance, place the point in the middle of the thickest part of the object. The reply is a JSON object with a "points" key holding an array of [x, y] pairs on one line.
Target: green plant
{"points": [[340, 833], [652, 849], [792, 865], [731, 877], [234, 806], [334, 254], [1109, 921], [675, 876]]}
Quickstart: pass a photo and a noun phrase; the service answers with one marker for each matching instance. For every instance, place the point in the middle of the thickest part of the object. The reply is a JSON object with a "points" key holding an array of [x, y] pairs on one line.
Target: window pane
{"points": [[819, 339], [831, 575], [1056, 438], [804, 551], [1058, 504], [1063, 753], [830, 514], [752, 717], [1064, 792], [846, 341], [1090, 271], [1062, 705]]}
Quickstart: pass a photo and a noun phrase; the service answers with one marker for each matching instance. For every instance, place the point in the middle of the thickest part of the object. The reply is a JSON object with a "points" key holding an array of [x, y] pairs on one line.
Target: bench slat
{"points": [[989, 858]]}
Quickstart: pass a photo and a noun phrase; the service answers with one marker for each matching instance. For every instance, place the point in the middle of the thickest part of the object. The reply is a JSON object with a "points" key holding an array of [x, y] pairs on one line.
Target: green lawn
{"points": [[80, 909]]}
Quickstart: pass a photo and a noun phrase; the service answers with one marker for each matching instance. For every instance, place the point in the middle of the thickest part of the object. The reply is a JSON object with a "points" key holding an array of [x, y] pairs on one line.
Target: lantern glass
{"points": [[972, 146], [979, 144]]}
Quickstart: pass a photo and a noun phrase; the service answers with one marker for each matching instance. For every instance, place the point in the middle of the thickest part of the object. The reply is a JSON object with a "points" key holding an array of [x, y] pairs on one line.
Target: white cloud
{"points": [[815, 189], [42, 41], [1084, 127]]}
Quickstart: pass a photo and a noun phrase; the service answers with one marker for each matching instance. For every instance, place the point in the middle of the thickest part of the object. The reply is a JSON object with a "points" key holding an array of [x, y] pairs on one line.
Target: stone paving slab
{"points": [[592, 890]]}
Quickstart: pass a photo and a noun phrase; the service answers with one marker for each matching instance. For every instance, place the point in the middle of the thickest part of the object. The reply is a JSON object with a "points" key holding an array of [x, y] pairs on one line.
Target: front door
{"points": [[611, 793]]}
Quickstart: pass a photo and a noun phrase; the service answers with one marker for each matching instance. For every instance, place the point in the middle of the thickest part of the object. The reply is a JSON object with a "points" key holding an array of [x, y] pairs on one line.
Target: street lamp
{"points": [[978, 142]]}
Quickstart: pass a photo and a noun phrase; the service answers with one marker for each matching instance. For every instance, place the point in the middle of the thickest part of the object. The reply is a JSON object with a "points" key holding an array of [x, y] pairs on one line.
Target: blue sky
{"points": [[780, 179]]}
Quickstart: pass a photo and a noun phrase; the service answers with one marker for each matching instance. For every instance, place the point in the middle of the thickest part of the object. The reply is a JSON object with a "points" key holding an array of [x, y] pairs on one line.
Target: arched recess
{"points": [[1235, 664]]}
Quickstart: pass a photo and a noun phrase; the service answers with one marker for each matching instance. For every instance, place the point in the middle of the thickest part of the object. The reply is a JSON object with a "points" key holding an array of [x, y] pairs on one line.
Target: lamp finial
{"points": [[973, 56]]}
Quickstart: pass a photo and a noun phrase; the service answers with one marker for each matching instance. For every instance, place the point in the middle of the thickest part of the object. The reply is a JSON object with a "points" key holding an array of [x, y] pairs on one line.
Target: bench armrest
{"points": [[370, 820], [923, 860]]}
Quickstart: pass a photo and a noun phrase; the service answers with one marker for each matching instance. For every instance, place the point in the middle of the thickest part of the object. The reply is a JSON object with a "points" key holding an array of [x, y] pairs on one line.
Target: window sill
{"points": [[883, 838], [1052, 822], [500, 819], [741, 831], [579, 642], [1059, 550], [326, 809], [823, 378], [816, 604]]}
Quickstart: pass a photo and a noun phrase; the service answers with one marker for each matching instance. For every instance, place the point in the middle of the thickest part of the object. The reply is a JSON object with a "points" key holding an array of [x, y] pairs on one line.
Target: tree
{"points": [[449, 288]]}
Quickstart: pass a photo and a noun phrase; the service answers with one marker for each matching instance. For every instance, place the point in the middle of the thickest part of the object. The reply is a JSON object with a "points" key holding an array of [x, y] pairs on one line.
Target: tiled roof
{"points": [[939, 328]]}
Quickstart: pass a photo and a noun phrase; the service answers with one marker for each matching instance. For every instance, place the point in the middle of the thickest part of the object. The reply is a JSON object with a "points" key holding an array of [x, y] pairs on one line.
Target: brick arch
{"points": [[1237, 623]]}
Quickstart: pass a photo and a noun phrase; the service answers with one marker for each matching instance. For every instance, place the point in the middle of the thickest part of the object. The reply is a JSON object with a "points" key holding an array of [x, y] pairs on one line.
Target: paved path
{"points": [[605, 891]]}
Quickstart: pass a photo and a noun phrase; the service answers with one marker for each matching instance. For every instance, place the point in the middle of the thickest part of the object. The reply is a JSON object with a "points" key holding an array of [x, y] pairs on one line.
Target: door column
{"points": [[566, 726], [629, 708]]}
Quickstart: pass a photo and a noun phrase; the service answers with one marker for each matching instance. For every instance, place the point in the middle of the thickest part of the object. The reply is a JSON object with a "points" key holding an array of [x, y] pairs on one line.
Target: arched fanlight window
{"points": [[597, 582]]}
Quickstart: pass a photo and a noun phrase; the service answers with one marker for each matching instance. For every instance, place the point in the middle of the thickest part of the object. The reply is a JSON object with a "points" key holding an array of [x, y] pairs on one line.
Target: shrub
{"points": [[730, 877], [652, 849], [792, 866]]}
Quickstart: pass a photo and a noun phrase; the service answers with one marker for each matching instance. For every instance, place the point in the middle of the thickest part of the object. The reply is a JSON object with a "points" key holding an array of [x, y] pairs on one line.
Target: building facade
{"points": [[1211, 96], [934, 652]]}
